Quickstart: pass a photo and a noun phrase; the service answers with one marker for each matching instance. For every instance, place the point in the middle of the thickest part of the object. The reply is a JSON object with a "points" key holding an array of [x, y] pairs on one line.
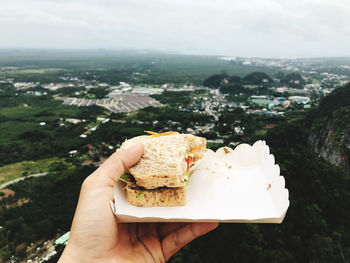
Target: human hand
{"points": [[96, 235]]}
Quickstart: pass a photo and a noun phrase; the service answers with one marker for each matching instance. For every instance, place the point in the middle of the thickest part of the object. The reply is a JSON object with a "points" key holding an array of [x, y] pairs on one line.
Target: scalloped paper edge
{"points": [[255, 159]]}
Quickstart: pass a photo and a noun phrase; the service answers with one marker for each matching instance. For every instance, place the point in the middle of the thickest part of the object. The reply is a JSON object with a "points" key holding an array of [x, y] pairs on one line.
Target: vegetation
{"points": [[314, 230], [233, 89], [294, 80], [316, 226], [240, 89], [261, 80], [174, 98], [14, 170], [155, 119], [21, 132], [215, 80], [115, 66], [340, 97], [257, 78], [47, 208]]}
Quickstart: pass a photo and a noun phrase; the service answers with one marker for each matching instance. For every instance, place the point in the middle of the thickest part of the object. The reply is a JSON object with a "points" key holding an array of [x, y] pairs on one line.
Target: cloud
{"points": [[243, 28]]}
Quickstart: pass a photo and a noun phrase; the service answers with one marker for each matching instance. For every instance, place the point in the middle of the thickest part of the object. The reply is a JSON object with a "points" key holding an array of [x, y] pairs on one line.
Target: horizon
{"points": [[254, 28], [4, 50]]}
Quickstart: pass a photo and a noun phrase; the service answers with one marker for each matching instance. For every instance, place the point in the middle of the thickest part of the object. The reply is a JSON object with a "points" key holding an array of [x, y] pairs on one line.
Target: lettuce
{"points": [[140, 195], [127, 178]]}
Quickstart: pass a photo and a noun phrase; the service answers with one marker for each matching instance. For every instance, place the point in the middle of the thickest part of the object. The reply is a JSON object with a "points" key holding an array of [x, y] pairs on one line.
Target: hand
{"points": [[96, 235]]}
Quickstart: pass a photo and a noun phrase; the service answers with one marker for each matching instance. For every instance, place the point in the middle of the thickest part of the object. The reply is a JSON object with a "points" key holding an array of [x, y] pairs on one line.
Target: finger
{"points": [[147, 230], [148, 235], [177, 239], [133, 233], [118, 162], [167, 228], [127, 233]]}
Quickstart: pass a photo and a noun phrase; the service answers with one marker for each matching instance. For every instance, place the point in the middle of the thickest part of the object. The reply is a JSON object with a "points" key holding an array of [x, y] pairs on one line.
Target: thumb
{"points": [[118, 162]]}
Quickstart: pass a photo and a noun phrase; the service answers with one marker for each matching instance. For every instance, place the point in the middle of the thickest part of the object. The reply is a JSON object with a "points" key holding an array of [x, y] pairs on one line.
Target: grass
{"points": [[11, 130], [40, 111], [251, 86], [260, 132], [17, 120], [35, 71], [203, 94], [20, 112], [16, 170], [90, 96]]}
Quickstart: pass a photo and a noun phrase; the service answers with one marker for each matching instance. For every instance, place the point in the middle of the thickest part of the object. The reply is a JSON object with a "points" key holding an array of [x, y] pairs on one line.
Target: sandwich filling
{"points": [[161, 176]]}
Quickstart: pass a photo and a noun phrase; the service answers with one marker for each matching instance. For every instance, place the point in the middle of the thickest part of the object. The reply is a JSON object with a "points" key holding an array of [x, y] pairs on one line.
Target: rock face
{"points": [[331, 138], [338, 153]]}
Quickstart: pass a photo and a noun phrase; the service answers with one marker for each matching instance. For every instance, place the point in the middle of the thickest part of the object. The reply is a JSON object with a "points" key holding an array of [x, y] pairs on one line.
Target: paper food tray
{"points": [[241, 185]]}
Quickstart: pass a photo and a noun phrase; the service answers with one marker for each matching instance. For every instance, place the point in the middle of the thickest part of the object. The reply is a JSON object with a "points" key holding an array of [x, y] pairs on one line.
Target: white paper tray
{"points": [[241, 185]]}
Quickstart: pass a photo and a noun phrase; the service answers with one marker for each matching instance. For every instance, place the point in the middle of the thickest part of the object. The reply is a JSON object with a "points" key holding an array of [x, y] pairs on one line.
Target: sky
{"points": [[249, 28]]}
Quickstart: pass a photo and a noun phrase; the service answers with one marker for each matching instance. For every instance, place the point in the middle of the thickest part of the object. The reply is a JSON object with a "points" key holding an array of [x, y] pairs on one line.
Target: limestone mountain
{"points": [[330, 136]]}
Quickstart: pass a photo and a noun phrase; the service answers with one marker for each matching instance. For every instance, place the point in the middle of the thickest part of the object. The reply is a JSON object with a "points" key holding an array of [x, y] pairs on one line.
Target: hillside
{"points": [[316, 226], [330, 137]]}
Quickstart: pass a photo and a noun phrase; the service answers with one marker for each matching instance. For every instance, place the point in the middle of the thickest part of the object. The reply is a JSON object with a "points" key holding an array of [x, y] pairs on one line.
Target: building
{"points": [[184, 89], [63, 239], [299, 99], [260, 97], [147, 90]]}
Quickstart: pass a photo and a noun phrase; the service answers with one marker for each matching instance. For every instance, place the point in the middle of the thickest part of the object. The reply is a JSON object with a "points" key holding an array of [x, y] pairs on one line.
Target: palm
{"points": [[148, 242], [108, 241], [96, 236]]}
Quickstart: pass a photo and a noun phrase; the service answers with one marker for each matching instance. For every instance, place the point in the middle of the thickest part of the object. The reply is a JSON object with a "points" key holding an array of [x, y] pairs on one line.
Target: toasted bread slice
{"points": [[164, 196], [163, 163]]}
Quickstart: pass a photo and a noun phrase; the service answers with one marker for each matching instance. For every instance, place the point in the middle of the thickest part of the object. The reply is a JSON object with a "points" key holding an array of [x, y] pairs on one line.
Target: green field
{"points": [[24, 138], [16, 170], [34, 71], [39, 109], [152, 68], [260, 133], [251, 86]]}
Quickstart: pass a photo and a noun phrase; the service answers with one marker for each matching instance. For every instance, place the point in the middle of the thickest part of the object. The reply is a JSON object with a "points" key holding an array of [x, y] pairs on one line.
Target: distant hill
{"points": [[234, 79], [338, 98], [316, 225], [215, 81], [294, 80], [257, 78]]}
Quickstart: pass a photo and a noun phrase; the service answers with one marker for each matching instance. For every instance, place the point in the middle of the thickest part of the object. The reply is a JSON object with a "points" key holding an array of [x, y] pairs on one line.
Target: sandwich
{"points": [[161, 176]]}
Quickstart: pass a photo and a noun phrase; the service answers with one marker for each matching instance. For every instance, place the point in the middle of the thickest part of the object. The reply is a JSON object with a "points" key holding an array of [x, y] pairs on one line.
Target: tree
{"points": [[256, 78], [215, 81]]}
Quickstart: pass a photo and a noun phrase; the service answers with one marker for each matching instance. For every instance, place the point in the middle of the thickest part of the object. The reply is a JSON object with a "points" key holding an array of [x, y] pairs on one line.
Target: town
{"points": [[77, 118]]}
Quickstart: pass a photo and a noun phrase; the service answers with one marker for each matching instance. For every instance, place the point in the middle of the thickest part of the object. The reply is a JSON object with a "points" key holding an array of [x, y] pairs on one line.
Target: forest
{"points": [[21, 132], [254, 78], [315, 228], [115, 66]]}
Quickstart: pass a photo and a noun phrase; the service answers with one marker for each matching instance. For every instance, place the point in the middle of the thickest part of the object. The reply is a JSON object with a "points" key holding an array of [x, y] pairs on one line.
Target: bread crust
{"points": [[163, 163], [156, 197]]}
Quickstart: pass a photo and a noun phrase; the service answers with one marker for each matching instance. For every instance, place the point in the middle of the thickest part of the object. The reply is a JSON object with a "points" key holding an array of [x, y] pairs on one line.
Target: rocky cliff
{"points": [[323, 142], [330, 136]]}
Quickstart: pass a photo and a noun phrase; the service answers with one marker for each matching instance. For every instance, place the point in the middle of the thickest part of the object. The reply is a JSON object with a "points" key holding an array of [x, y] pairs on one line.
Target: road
{"points": [[210, 112], [20, 179]]}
